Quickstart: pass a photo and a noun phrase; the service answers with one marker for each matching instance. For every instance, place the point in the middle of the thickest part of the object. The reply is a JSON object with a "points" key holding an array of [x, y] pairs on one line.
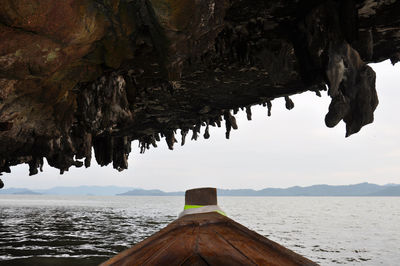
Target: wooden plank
{"points": [[260, 249], [177, 252], [260, 254], [216, 251], [195, 260], [141, 252]]}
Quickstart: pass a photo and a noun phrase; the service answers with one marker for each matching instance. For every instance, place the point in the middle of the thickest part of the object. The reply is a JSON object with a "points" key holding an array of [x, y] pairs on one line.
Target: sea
{"points": [[87, 230]]}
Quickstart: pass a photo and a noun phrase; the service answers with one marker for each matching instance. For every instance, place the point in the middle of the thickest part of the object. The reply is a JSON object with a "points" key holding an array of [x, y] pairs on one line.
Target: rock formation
{"points": [[83, 74]]}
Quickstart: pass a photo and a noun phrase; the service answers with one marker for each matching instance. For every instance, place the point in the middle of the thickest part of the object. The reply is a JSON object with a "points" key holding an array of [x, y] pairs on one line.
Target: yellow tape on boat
{"points": [[199, 206]]}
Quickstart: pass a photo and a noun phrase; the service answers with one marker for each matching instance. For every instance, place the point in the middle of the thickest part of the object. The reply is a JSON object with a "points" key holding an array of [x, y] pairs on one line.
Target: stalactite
{"points": [[4, 167], [170, 139], [206, 132], [142, 146], [335, 70], [352, 89], [219, 120], [233, 121], [34, 164], [146, 141], [289, 103], [103, 149], [269, 106], [87, 149], [248, 112], [230, 122], [196, 131], [121, 151], [228, 128], [153, 141], [183, 133], [194, 134]]}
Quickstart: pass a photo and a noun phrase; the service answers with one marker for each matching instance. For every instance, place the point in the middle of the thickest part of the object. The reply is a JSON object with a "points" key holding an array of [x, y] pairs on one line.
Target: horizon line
{"points": [[258, 189]]}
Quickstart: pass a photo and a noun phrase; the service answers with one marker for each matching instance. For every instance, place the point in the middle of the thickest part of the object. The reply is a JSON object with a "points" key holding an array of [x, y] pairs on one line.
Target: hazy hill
{"points": [[20, 191], [363, 189], [391, 191], [152, 192], [81, 190], [85, 190]]}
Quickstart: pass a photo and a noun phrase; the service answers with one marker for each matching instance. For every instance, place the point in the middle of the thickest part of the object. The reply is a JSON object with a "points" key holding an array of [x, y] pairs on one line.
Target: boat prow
{"points": [[207, 239]]}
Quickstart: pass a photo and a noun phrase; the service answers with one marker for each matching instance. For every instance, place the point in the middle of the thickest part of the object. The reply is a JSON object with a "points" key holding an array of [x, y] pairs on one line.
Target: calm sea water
{"points": [[75, 230]]}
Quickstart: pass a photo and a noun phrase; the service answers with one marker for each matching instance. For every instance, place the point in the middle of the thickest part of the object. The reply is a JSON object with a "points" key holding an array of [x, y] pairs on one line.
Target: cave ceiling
{"points": [[90, 76]]}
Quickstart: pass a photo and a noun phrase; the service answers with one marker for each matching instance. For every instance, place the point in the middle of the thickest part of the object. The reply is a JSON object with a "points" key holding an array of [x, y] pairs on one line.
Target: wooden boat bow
{"points": [[207, 239]]}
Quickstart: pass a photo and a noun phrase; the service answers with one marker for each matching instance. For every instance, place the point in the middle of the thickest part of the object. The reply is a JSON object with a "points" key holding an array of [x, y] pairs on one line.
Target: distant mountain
{"points": [[363, 189], [391, 191], [152, 192], [85, 190], [390, 185], [19, 191]]}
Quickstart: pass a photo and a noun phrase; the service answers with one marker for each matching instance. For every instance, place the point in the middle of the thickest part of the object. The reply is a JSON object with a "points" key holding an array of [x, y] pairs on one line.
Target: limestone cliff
{"points": [[83, 74]]}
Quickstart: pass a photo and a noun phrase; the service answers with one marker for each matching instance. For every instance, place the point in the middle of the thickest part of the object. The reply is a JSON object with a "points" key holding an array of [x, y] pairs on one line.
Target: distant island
{"points": [[80, 190], [356, 190]]}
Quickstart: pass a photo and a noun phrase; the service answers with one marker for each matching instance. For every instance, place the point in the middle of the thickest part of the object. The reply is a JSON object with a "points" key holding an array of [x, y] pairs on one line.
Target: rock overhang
{"points": [[100, 74]]}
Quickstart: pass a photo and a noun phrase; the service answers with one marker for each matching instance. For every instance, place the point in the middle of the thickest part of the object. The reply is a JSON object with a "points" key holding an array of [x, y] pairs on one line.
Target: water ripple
{"points": [[88, 230]]}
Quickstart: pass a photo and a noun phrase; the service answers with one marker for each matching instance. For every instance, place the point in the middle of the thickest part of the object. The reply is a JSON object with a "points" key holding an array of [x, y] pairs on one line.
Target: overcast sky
{"points": [[287, 149]]}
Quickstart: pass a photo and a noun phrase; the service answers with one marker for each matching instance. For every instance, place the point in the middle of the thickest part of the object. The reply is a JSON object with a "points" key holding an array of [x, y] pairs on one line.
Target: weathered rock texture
{"points": [[83, 74]]}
